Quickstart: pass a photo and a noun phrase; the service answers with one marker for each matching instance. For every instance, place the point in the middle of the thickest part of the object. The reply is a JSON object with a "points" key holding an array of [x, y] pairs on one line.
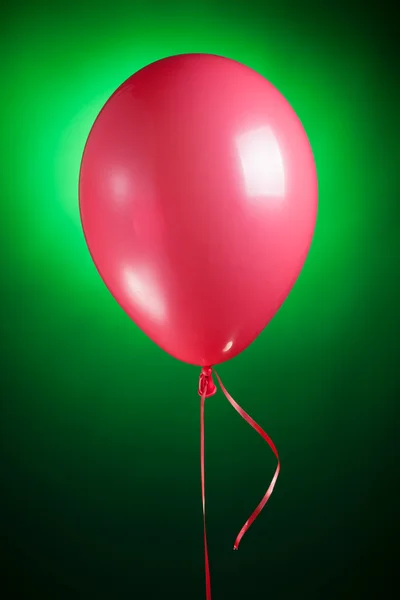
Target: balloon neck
{"points": [[206, 382]]}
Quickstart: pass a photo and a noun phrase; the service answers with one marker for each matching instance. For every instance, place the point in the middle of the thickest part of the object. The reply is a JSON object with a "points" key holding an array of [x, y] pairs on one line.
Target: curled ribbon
{"points": [[207, 388]]}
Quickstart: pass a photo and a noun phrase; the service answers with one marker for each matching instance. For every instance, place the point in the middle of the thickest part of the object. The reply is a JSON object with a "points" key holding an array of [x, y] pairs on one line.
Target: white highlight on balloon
{"points": [[262, 163], [120, 184], [227, 347], [142, 288]]}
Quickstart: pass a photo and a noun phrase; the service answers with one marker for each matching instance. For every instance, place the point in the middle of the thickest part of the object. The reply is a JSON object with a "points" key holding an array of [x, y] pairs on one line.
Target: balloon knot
{"points": [[206, 382]]}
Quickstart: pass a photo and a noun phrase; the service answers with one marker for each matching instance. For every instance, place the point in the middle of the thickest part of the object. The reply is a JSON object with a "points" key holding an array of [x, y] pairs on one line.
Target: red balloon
{"points": [[198, 199]]}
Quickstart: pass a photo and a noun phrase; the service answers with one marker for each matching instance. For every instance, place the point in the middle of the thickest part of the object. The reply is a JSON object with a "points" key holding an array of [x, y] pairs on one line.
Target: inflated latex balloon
{"points": [[198, 200]]}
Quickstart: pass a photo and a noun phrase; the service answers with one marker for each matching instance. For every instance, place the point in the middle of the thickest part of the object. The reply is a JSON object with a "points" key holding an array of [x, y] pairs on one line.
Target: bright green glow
{"points": [[57, 98], [91, 398], [60, 79]]}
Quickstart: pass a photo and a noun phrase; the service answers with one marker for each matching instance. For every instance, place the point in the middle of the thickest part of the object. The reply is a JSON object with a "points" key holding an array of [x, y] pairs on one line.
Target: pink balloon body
{"points": [[198, 200]]}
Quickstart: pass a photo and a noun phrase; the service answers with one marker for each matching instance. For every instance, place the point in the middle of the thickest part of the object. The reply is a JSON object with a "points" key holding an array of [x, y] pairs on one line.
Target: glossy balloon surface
{"points": [[198, 199]]}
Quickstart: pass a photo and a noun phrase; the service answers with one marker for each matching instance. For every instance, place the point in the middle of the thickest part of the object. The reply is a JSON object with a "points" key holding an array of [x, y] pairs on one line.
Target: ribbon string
{"points": [[206, 389], [203, 493], [270, 443]]}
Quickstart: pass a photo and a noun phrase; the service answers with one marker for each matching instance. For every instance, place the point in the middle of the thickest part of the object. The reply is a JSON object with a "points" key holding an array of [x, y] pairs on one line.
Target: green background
{"points": [[99, 432]]}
